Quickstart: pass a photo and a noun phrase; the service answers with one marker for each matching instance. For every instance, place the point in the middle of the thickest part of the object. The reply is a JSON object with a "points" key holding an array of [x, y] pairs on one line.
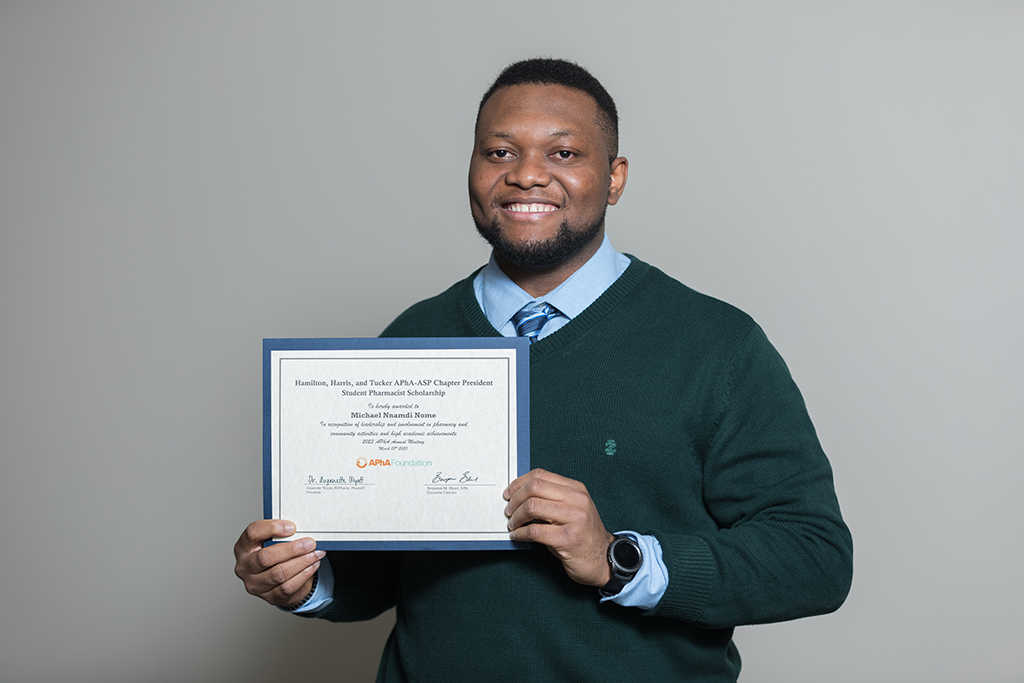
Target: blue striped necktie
{"points": [[531, 318]]}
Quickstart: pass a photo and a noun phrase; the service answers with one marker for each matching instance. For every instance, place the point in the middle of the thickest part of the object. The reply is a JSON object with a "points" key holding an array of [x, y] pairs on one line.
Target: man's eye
{"points": [[501, 154], [564, 154]]}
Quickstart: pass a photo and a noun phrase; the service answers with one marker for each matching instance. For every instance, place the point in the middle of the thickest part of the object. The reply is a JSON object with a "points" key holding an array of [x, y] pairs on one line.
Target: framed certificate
{"points": [[395, 444]]}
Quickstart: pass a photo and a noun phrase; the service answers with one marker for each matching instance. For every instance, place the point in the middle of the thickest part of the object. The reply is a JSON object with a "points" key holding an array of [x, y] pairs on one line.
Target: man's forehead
{"points": [[562, 111], [537, 95]]}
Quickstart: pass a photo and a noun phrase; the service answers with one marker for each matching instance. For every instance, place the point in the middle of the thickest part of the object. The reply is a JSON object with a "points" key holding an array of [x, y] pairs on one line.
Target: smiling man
{"points": [[679, 489]]}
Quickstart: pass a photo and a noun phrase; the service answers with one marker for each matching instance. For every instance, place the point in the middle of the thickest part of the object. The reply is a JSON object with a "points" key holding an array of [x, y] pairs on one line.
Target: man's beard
{"points": [[566, 243]]}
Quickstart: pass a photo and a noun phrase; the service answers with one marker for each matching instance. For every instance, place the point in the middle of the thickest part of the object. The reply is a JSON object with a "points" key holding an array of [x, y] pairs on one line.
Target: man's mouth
{"points": [[520, 207]]}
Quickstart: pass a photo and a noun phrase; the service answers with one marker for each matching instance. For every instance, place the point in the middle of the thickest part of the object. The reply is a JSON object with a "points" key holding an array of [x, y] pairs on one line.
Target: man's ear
{"points": [[620, 169]]}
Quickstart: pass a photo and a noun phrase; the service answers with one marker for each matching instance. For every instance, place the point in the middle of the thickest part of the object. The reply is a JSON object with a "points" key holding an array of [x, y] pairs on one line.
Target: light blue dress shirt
{"points": [[500, 299]]}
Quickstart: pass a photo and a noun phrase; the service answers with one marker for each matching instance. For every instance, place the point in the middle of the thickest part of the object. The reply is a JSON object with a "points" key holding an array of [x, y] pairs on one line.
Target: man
{"points": [[656, 412]]}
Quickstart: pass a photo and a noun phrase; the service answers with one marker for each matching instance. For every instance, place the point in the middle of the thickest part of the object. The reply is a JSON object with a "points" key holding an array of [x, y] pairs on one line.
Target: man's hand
{"points": [[281, 574], [559, 513]]}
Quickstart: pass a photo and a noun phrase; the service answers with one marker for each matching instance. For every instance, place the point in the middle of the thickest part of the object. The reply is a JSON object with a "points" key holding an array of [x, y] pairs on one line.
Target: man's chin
{"points": [[535, 254]]}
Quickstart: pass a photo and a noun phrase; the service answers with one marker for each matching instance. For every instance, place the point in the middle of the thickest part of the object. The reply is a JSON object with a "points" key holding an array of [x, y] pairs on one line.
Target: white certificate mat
{"points": [[395, 444]]}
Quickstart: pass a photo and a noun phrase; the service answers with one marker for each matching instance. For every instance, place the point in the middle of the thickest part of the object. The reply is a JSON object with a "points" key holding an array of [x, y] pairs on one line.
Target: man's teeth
{"points": [[530, 208]]}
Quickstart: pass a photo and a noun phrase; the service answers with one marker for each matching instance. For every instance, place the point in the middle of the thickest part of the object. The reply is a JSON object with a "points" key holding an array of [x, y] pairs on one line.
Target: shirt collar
{"points": [[500, 298]]}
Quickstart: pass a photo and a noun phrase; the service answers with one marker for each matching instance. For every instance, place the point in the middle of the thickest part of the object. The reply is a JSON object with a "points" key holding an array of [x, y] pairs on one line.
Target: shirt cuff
{"points": [[324, 593], [649, 584]]}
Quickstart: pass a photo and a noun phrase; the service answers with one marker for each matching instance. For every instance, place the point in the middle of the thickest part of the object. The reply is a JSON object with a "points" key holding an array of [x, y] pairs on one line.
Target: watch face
{"points": [[627, 556]]}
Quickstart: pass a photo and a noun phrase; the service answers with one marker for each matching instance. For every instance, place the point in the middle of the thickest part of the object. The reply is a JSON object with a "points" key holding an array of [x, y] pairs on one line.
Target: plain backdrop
{"points": [[179, 180]]}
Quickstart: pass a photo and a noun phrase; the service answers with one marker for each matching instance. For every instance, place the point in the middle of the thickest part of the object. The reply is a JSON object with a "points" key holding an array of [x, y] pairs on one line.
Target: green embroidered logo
{"points": [[610, 446]]}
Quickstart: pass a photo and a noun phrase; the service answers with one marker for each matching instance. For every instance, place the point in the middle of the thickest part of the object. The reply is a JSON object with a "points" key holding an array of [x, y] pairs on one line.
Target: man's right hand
{"points": [[281, 574]]}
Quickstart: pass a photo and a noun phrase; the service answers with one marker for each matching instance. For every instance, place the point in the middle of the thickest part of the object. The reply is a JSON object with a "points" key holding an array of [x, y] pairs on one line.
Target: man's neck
{"points": [[538, 281]]}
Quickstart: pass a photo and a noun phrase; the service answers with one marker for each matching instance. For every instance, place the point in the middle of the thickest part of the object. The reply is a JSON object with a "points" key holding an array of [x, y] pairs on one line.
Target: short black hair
{"points": [[543, 70]]}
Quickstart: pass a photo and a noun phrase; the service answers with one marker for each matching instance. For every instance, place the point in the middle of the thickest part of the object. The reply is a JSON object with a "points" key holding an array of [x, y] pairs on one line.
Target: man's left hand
{"points": [[559, 513]]}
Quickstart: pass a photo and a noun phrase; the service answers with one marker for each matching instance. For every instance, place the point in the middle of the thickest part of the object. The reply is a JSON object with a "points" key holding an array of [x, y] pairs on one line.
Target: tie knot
{"points": [[531, 318]]}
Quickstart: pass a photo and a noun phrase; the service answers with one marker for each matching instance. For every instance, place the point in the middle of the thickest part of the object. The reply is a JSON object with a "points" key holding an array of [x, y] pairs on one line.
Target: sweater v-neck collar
{"points": [[626, 283]]}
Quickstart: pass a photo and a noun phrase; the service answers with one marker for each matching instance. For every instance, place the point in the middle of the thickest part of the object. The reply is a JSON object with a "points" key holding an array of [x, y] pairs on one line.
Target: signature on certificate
{"points": [[465, 478]]}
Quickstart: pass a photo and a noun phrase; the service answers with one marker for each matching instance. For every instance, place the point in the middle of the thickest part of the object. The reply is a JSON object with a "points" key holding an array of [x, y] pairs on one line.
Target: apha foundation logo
{"points": [[363, 462]]}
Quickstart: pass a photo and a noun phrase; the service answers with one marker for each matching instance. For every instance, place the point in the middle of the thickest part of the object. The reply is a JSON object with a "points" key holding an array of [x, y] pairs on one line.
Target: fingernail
{"points": [[308, 543], [321, 553], [289, 528]]}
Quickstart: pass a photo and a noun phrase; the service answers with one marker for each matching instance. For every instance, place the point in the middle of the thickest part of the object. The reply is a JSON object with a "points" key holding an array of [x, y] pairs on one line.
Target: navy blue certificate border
{"points": [[522, 370]]}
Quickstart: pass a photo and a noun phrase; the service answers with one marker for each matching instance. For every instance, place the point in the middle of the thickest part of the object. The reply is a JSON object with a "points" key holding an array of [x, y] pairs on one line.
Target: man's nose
{"points": [[529, 170]]}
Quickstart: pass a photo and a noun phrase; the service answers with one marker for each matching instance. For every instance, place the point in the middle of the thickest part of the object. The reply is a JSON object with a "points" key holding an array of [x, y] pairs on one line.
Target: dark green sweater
{"points": [[713, 454]]}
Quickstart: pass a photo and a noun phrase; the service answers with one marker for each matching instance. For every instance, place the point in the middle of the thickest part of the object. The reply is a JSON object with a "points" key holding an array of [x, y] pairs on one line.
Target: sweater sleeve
{"points": [[781, 549], [365, 585]]}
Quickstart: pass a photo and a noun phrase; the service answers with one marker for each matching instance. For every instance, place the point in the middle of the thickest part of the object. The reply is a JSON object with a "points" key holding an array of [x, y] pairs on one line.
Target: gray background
{"points": [[179, 180]]}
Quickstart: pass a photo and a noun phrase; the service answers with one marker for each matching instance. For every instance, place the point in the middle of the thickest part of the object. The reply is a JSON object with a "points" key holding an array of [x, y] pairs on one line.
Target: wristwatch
{"points": [[625, 558]]}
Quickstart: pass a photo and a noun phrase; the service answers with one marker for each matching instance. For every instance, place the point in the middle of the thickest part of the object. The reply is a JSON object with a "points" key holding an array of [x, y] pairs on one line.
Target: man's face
{"points": [[540, 180]]}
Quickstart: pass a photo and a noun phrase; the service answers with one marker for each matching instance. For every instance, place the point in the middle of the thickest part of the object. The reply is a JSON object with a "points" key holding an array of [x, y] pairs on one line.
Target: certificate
{"points": [[395, 444]]}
